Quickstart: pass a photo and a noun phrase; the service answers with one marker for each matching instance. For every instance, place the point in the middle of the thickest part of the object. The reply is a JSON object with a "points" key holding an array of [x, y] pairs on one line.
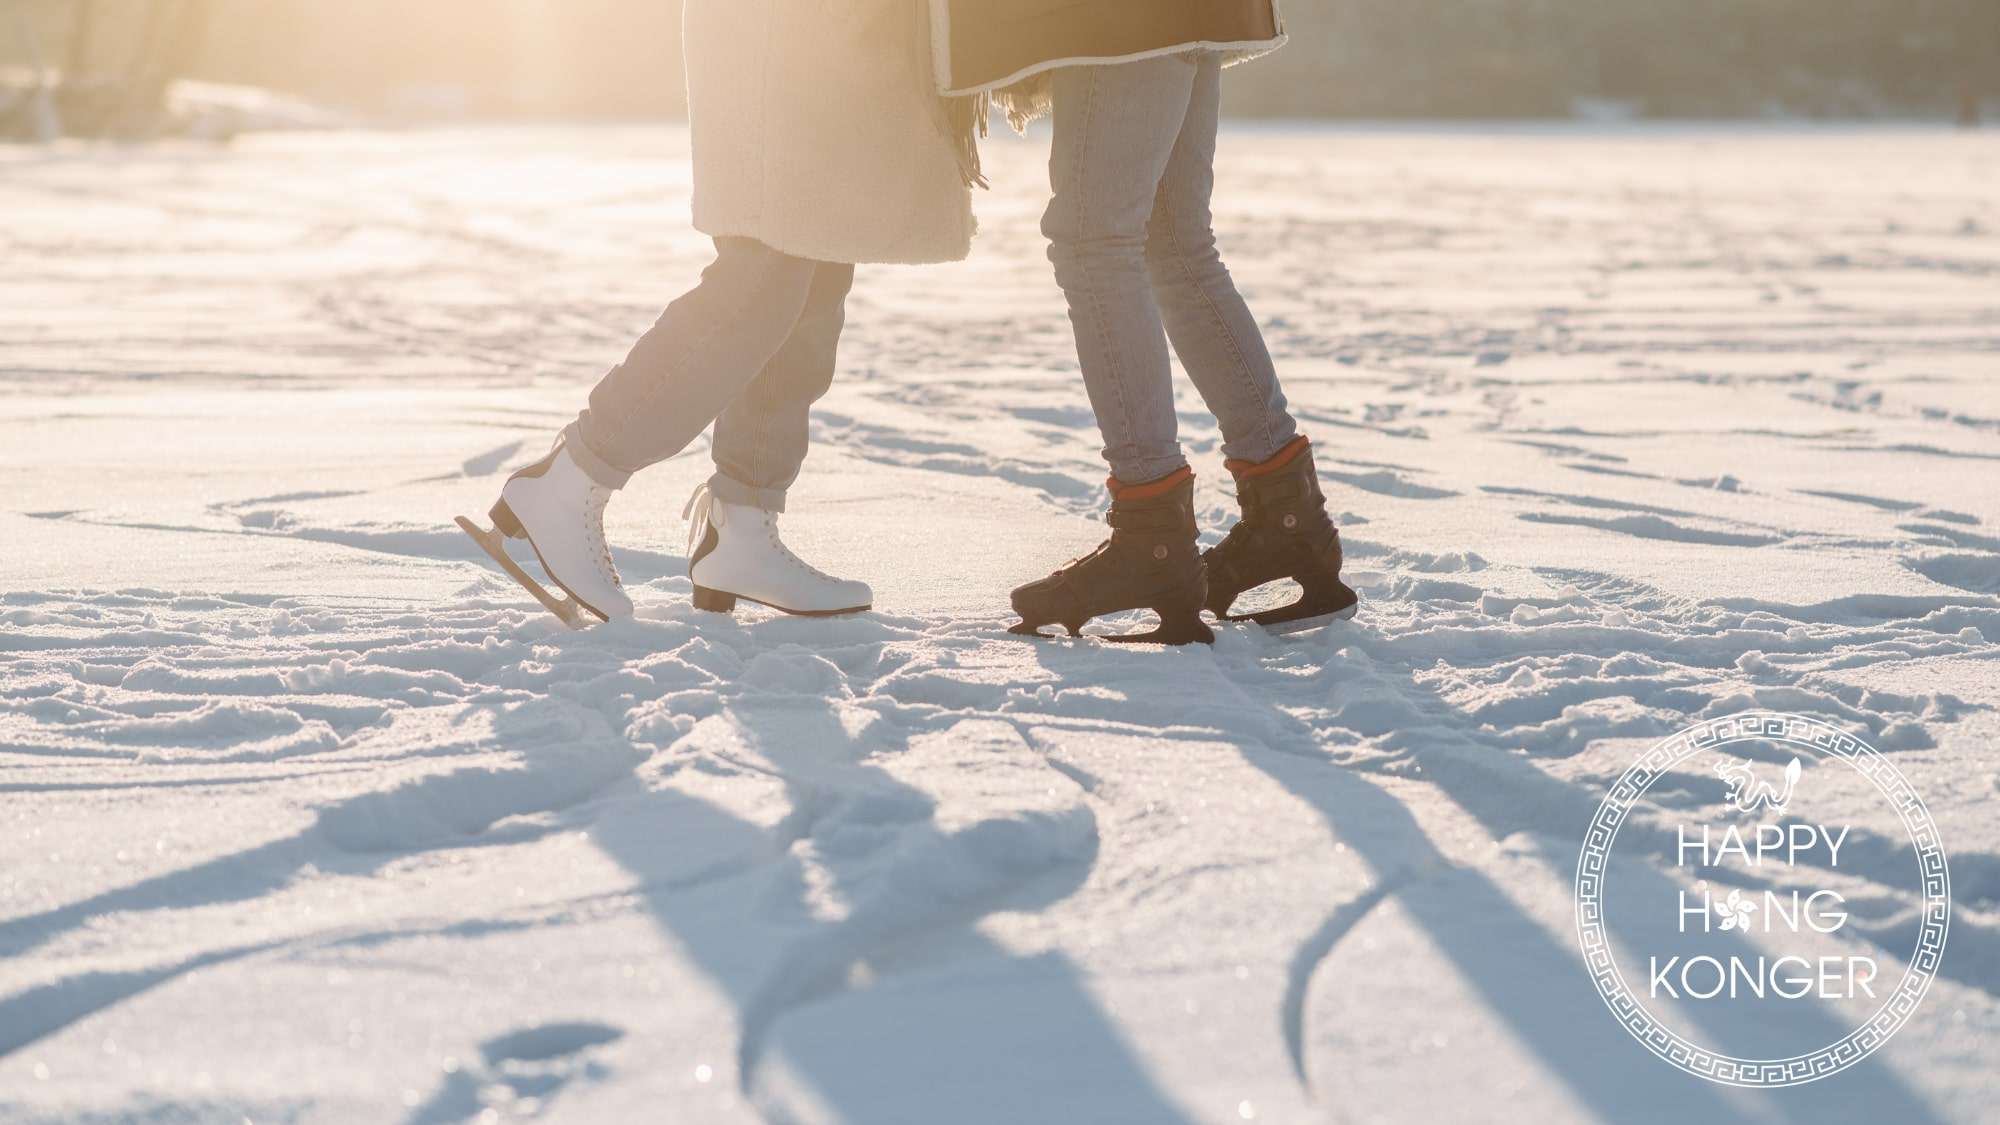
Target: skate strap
{"points": [[1145, 519], [1148, 490], [1281, 491]]}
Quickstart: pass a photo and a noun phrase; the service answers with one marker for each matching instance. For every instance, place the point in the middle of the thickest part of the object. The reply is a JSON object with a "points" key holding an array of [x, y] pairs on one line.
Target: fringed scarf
{"points": [[966, 118], [1005, 49], [1022, 102]]}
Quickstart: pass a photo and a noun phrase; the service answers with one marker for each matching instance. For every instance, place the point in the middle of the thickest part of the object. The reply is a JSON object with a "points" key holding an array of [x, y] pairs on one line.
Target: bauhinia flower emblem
{"points": [[1736, 911]]}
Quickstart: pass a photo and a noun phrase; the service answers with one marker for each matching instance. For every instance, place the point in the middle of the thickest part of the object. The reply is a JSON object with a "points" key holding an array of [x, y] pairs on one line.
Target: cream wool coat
{"points": [[818, 131]]}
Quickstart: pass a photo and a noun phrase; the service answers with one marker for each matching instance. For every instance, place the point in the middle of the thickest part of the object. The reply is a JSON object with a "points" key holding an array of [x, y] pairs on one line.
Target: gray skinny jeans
{"points": [[1132, 239], [750, 348]]}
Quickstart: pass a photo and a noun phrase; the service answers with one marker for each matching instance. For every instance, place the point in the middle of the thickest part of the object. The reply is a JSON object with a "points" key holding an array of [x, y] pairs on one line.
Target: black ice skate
{"points": [[1150, 562], [1284, 533]]}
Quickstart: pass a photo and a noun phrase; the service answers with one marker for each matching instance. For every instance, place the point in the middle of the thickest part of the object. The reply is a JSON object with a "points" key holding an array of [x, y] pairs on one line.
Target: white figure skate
{"points": [[735, 552], [559, 510]]}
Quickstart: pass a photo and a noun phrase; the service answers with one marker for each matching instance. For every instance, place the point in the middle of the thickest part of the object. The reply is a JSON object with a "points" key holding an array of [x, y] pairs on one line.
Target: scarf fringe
{"points": [[1027, 100], [967, 117]]}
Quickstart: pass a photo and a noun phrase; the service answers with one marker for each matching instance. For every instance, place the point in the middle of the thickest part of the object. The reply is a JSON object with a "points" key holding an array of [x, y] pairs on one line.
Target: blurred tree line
{"points": [[1658, 58], [111, 60], [62, 84]]}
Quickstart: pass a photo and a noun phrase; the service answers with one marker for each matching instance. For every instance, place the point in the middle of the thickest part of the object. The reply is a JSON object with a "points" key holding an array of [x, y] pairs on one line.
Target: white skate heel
{"points": [[734, 551], [559, 510]]}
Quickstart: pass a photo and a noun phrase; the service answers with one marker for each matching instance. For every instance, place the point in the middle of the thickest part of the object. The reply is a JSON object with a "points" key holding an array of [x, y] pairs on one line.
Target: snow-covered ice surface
{"points": [[306, 814]]}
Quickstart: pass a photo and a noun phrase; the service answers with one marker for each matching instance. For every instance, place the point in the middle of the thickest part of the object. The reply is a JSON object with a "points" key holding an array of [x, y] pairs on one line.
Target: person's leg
{"points": [[708, 346], [1285, 532], [1211, 327], [760, 440], [1115, 131], [1115, 128], [735, 550]]}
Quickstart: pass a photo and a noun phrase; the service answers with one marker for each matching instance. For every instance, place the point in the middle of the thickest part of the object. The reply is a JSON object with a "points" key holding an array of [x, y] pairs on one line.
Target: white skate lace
{"points": [[593, 530], [593, 524], [771, 526]]}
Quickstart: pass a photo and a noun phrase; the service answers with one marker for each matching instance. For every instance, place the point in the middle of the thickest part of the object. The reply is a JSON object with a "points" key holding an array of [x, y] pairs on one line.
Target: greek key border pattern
{"points": [[1826, 740]]}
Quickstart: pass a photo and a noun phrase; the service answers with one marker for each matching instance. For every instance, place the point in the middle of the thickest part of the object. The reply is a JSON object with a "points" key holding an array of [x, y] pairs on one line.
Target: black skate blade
{"points": [[494, 544], [1172, 636], [1306, 614], [1307, 624], [1024, 629], [1176, 627]]}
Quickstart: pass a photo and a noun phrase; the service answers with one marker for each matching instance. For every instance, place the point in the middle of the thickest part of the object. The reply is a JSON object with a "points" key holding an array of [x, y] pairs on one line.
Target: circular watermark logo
{"points": [[1725, 954]]}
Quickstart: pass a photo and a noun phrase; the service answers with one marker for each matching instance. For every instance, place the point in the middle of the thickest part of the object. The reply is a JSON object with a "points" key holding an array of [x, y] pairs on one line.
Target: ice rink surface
{"points": [[308, 815]]}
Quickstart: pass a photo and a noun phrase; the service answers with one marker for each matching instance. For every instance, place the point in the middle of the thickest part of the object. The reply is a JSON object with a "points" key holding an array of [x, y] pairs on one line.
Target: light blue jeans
{"points": [[1132, 239], [750, 349]]}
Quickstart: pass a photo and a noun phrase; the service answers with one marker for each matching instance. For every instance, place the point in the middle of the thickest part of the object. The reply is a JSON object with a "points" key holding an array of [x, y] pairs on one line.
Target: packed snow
{"points": [[311, 815]]}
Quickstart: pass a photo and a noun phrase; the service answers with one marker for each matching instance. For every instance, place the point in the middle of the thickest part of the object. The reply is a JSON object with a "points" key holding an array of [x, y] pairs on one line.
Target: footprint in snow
{"points": [[518, 1073]]}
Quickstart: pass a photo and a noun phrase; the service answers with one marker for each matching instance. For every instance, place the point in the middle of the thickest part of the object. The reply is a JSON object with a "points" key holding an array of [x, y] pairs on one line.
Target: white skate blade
{"points": [[494, 544]]}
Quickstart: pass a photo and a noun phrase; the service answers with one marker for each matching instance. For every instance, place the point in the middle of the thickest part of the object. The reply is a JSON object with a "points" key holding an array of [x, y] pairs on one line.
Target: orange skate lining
{"points": [[1245, 469]]}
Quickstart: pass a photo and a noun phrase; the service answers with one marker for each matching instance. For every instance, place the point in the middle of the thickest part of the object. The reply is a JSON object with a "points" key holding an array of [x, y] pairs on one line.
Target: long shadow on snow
{"points": [[1489, 783], [1531, 983], [921, 1052], [1511, 975], [354, 837], [35, 1013]]}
